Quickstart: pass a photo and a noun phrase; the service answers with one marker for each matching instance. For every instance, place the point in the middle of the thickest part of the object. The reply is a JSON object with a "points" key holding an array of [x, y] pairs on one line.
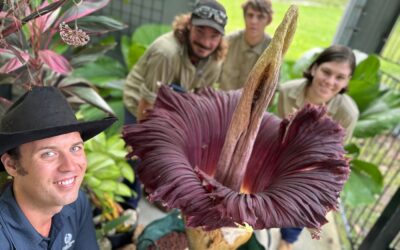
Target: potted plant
{"points": [[107, 168], [39, 47]]}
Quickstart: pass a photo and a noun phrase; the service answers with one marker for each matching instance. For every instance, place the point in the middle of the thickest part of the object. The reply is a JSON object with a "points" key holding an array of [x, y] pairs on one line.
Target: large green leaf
{"points": [[100, 24], [131, 51], [352, 149], [115, 142], [90, 113], [111, 172], [389, 100], [99, 142], [368, 69], [381, 115], [89, 95], [364, 183], [92, 181], [147, 33], [127, 171], [364, 85], [90, 54], [123, 189], [108, 186], [363, 92], [377, 124], [136, 50], [99, 166], [94, 158], [102, 71]]}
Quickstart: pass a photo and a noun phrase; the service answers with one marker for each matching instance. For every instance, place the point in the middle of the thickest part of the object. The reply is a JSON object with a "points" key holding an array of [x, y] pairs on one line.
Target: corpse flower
{"points": [[195, 156]]}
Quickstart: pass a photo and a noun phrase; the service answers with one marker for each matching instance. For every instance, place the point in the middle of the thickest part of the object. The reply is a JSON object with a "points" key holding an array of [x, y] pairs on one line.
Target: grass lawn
{"points": [[317, 23]]}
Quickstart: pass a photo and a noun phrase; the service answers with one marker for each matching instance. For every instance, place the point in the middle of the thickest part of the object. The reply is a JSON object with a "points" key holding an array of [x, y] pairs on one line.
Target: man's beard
{"points": [[193, 55]]}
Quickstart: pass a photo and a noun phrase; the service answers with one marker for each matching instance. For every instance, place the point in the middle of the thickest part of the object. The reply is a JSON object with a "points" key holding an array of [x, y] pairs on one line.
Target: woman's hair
{"points": [[334, 53], [180, 26], [263, 6]]}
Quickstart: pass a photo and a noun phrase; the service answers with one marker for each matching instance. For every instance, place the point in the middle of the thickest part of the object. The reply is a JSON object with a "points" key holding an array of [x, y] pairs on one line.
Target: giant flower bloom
{"points": [[293, 178]]}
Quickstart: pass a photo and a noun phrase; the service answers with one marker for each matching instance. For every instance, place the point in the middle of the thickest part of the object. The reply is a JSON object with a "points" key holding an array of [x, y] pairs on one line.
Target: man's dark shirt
{"points": [[72, 227]]}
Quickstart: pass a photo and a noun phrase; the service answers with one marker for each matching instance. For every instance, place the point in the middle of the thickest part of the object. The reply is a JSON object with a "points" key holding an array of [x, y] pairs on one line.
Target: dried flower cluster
{"points": [[74, 37]]}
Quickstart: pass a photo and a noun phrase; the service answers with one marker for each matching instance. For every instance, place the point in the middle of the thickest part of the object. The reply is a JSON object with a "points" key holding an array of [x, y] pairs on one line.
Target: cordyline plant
{"points": [[35, 34], [224, 161]]}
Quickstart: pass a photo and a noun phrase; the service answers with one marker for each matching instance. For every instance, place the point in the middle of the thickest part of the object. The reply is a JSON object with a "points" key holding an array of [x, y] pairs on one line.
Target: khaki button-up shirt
{"points": [[341, 108], [240, 60], [167, 61]]}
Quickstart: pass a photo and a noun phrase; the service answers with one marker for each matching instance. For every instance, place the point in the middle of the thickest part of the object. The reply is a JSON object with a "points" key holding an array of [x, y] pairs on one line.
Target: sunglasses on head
{"points": [[208, 12]]}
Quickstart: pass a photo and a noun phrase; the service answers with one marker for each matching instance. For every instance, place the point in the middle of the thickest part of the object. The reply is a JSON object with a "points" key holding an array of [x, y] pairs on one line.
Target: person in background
{"points": [[187, 58], [190, 57], [324, 84], [246, 46], [41, 148]]}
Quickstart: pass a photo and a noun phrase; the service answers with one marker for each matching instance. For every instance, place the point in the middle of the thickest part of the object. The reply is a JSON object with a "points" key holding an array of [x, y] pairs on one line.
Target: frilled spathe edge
{"points": [[296, 171]]}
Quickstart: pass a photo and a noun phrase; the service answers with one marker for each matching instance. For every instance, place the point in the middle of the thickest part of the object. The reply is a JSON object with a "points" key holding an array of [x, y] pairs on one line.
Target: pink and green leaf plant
{"points": [[32, 51]]}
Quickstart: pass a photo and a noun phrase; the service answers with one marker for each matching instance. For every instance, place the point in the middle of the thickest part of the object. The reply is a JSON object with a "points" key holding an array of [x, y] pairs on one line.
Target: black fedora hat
{"points": [[40, 113]]}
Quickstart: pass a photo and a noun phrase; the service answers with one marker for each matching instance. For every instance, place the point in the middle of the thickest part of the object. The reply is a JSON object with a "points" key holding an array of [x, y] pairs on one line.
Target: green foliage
{"points": [[364, 85], [380, 116], [107, 166], [108, 74], [131, 51], [379, 107], [317, 23], [134, 47], [51, 61], [364, 183], [100, 24], [104, 70], [110, 225], [147, 33]]}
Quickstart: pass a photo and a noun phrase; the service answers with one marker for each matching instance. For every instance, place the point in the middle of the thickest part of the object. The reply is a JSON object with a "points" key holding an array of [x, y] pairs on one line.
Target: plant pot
{"points": [[226, 238], [121, 239]]}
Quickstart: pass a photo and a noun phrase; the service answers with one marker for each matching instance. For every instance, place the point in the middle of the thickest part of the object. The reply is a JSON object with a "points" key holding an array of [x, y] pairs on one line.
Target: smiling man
{"points": [[41, 148], [189, 57], [246, 46]]}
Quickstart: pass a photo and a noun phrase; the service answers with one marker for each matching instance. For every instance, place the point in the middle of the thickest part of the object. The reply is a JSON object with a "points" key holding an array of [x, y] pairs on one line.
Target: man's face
{"points": [[53, 171], [203, 40], [255, 21]]}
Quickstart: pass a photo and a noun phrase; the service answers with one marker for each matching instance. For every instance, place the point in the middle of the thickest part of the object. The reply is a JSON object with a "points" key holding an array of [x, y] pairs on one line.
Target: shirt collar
{"points": [[298, 95], [17, 221], [258, 49]]}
